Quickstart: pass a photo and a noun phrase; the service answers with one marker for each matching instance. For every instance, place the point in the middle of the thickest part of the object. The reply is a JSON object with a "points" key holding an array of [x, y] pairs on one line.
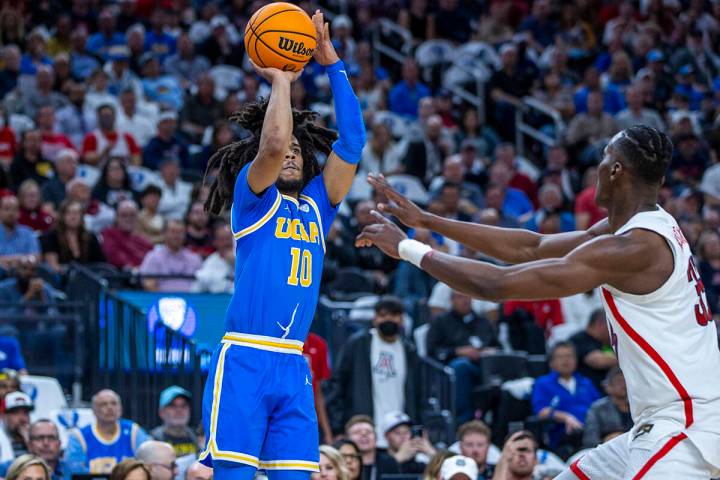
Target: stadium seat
{"points": [[411, 187], [537, 365], [141, 177], [227, 78], [353, 280], [503, 366], [434, 52], [45, 392], [420, 336], [561, 333]]}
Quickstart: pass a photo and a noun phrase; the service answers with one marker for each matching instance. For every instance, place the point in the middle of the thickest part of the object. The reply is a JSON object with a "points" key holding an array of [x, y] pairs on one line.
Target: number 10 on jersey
{"points": [[301, 268]]}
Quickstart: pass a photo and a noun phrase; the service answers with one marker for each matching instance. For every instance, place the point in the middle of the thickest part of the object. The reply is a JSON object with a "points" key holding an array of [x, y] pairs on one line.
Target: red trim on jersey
{"points": [[660, 454], [575, 468], [654, 355]]}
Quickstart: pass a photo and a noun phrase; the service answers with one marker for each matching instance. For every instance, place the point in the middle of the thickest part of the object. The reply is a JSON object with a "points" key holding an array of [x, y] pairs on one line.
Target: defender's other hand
{"points": [[271, 73], [324, 52], [400, 207], [385, 235]]}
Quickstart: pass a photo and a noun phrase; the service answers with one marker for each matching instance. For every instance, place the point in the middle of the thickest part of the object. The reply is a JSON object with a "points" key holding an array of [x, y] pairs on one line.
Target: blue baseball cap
{"points": [[171, 393], [655, 56], [686, 70]]}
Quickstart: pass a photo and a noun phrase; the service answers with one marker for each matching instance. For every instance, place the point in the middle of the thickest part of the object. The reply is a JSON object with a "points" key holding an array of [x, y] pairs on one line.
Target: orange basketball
{"points": [[280, 35]]}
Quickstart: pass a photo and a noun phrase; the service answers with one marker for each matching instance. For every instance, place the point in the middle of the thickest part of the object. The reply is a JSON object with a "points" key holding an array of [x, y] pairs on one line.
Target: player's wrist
{"points": [[334, 67], [413, 251]]}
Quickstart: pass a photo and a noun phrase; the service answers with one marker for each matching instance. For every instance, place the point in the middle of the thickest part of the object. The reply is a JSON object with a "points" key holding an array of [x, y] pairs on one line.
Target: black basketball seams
{"points": [[290, 31]]}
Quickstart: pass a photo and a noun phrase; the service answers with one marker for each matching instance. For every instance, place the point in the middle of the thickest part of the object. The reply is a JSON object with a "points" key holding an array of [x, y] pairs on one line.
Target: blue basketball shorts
{"points": [[258, 405]]}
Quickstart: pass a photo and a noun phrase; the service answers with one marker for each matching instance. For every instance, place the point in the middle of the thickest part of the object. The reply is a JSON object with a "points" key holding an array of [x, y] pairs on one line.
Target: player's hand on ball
{"points": [[271, 74], [400, 207], [385, 235], [324, 53]]}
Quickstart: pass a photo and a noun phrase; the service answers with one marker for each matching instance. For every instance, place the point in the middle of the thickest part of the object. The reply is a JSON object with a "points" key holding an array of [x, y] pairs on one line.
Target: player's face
{"points": [[475, 446], [523, 460], [290, 179], [606, 167]]}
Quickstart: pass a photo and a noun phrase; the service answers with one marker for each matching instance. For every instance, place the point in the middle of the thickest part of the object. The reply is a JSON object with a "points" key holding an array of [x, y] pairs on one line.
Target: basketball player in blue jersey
{"points": [[258, 406]]}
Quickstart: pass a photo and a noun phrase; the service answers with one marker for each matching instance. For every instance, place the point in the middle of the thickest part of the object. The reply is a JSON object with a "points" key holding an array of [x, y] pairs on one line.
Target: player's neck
{"points": [[624, 207], [295, 195]]}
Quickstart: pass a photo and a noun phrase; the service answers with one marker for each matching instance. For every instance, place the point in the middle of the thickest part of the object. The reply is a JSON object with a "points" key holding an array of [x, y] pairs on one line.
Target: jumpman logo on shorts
{"points": [[292, 320], [307, 381]]}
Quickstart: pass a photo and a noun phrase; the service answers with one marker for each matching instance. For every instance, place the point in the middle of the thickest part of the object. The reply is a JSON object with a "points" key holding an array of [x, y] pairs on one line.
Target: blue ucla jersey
{"points": [[280, 251], [103, 455]]}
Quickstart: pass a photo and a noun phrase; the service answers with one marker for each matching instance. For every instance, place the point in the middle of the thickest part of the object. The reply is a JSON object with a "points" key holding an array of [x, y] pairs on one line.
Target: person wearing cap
{"points": [[16, 424], [458, 467], [106, 141], [44, 441], [342, 39], [412, 453], [166, 143], [36, 52], [518, 458], [610, 415], [99, 43], [120, 75], [174, 411], [109, 439]]}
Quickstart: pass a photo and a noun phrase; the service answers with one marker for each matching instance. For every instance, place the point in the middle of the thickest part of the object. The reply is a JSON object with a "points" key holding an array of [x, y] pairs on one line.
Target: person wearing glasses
{"points": [[160, 458], [351, 454], [44, 441]]}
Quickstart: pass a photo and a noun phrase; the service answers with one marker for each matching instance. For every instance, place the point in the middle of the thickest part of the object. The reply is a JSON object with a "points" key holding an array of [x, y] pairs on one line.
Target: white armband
{"points": [[413, 251]]}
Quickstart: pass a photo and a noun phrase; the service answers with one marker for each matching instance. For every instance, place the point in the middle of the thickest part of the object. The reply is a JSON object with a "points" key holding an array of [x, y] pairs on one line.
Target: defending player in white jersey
{"points": [[660, 325]]}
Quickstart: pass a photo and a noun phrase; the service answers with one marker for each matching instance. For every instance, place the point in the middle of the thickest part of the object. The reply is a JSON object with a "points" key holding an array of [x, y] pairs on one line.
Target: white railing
{"points": [[385, 27], [523, 129]]}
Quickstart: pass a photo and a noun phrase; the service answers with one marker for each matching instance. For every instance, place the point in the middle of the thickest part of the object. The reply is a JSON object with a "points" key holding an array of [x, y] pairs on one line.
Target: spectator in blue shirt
{"points": [[44, 441], [551, 201], [157, 41], [99, 43], [564, 396], [25, 287], [11, 355], [82, 65], [613, 99], [404, 96], [512, 202], [166, 145], [98, 447], [35, 55], [16, 240], [164, 89], [540, 25]]}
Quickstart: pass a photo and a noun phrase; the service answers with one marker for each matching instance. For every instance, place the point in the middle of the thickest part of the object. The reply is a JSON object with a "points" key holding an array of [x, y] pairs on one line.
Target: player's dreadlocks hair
{"points": [[230, 159], [647, 150]]}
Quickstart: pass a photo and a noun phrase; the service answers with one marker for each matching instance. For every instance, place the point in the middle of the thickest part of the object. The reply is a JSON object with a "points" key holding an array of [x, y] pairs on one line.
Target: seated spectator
{"points": [[609, 416], [424, 155], [16, 241], [166, 145], [12, 56], [53, 191], [98, 447], [612, 99], [587, 211], [29, 162], [411, 283], [186, 65], [522, 172], [361, 430], [122, 246], [595, 356], [222, 134], [200, 110], [518, 458], [412, 453], [32, 213], [168, 259], [16, 423], [432, 472], [563, 396], [351, 454], [381, 154], [69, 241], [376, 370], [120, 76], [130, 469], [220, 47], [405, 95], [458, 467], [114, 184], [107, 141], [174, 411], [458, 339], [507, 86], [551, 203], [11, 357], [52, 141], [32, 99], [689, 160], [25, 287], [158, 87], [150, 223], [217, 273], [332, 465], [132, 121], [454, 206], [475, 440], [74, 120], [454, 172], [198, 471], [44, 441], [636, 113], [28, 467], [197, 235], [590, 131], [97, 215], [513, 203], [160, 459], [100, 43]]}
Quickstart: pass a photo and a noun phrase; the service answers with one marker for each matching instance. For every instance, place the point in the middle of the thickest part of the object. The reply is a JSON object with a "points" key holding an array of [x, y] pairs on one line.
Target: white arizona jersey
{"points": [[667, 344]]}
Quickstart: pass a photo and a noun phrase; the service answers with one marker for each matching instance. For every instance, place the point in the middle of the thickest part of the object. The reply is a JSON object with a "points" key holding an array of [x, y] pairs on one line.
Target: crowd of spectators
{"points": [[109, 112]]}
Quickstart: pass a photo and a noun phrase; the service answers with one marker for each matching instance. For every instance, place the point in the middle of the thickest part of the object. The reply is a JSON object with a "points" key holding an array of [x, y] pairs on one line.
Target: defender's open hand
{"points": [[385, 235], [400, 207]]}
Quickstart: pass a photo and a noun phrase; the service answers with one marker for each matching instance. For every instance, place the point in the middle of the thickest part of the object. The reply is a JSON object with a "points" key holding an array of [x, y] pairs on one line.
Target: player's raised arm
{"points": [[276, 131], [342, 161], [510, 245], [608, 259]]}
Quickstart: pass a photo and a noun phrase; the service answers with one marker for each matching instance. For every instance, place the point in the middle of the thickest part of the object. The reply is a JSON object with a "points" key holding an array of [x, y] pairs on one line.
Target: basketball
{"points": [[280, 35]]}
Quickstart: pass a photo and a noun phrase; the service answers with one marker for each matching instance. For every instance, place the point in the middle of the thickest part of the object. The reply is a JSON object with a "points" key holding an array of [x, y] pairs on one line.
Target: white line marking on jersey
{"points": [[292, 320]]}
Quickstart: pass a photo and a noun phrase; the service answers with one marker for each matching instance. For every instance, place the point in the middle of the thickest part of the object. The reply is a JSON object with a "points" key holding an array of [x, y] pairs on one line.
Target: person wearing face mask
{"points": [[376, 371]]}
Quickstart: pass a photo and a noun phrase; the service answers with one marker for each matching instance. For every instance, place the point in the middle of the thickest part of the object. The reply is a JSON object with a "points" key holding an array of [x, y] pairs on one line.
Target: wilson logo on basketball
{"points": [[292, 46]]}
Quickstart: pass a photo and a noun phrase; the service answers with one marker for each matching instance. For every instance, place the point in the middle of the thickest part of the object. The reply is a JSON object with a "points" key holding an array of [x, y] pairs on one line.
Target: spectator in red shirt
{"points": [[547, 313], [31, 212], [8, 143], [197, 233], [587, 212], [52, 142], [106, 141], [316, 353], [122, 246]]}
